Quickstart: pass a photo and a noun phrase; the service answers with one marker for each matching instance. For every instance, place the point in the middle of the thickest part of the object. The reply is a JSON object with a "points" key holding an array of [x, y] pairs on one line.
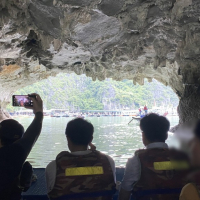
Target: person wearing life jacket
{"points": [[156, 172], [191, 191], [82, 173]]}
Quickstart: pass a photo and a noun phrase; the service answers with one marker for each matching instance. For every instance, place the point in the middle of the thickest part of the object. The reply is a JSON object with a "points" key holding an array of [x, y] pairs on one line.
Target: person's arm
{"points": [[33, 131], [50, 174], [112, 164], [131, 175]]}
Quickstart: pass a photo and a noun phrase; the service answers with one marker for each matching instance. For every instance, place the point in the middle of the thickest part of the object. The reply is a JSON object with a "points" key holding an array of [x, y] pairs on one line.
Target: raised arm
{"points": [[32, 133]]}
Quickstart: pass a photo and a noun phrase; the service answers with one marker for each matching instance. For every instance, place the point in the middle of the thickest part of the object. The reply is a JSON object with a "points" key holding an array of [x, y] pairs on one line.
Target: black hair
{"points": [[79, 131], [155, 127], [197, 129], [10, 131]]}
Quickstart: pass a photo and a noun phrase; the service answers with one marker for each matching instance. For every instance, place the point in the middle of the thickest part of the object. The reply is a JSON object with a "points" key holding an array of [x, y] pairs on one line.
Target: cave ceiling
{"points": [[119, 39]]}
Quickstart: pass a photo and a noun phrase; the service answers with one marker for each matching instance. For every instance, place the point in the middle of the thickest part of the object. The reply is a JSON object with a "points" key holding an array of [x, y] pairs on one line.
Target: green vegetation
{"points": [[69, 91]]}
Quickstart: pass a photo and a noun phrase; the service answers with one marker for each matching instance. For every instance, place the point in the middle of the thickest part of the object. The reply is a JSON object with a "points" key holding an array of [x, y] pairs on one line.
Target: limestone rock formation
{"points": [[132, 39]]}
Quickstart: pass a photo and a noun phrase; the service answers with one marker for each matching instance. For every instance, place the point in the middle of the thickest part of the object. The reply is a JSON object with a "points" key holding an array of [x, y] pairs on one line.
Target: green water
{"points": [[112, 136]]}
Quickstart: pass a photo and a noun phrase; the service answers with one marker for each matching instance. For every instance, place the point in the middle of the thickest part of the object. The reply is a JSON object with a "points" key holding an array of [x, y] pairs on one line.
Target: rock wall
{"points": [[132, 39]]}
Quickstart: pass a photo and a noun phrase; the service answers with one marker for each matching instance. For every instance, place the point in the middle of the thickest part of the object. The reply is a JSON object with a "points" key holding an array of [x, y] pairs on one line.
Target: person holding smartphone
{"points": [[13, 156]]}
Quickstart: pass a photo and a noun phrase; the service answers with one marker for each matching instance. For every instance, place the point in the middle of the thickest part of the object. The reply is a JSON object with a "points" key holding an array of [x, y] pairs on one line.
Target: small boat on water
{"points": [[139, 117]]}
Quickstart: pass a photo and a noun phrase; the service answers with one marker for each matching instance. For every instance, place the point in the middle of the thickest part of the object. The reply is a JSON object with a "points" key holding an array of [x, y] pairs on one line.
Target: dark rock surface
{"points": [[133, 39]]}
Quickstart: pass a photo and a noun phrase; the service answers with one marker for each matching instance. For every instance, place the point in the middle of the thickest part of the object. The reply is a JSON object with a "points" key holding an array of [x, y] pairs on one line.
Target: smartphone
{"points": [[21, 100]]}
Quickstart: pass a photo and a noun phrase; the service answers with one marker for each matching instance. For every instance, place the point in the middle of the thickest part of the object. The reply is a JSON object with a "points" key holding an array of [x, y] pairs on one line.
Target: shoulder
{"points": [[140, 151], [51, 166], [110, 159], [63, 153], [106, 156]]}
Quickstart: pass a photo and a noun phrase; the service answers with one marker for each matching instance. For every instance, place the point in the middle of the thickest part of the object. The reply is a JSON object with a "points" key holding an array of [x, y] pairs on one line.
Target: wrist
{"points": [[38, 112]]}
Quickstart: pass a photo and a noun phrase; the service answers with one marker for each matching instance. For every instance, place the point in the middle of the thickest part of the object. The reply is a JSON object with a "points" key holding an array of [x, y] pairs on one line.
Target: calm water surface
{"points": [[112, 136]]}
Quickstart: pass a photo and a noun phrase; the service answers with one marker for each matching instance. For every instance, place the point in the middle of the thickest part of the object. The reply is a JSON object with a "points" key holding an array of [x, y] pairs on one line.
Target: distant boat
{"points": [[138, 118], [56, 115]]}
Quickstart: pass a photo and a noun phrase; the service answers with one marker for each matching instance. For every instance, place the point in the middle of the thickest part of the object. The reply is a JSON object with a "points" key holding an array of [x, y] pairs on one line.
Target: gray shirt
{"points": [[132, 171]]}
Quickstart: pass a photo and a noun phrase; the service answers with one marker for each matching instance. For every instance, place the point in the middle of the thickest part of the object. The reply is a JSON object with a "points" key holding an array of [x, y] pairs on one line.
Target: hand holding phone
{"points": [[37, 103]]}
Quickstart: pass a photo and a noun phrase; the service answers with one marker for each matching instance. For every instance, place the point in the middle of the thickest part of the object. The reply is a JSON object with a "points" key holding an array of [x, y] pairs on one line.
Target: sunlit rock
{"points": [[123, 39]]}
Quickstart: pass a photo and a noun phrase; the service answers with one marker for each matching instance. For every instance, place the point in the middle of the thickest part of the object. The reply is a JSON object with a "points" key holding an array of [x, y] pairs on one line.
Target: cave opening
{"points": [[114, 101]]}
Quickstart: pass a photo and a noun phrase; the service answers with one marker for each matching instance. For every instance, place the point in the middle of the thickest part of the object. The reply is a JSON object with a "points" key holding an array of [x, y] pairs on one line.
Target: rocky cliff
{"points": [[132, 39]]}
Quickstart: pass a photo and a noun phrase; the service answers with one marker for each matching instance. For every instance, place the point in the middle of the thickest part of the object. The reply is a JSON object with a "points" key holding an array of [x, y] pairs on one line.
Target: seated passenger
{"points": [[155, 171], [10, 132], [191, 191], [13, 154], [84, 173]]}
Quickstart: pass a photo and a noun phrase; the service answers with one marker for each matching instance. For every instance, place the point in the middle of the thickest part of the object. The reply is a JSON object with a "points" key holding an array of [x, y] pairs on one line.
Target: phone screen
{"points": [[21, 100]]}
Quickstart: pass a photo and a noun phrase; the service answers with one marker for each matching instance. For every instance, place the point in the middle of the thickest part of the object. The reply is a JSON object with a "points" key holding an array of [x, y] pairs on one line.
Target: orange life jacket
{"points": [[83, 177], [163, 174]]}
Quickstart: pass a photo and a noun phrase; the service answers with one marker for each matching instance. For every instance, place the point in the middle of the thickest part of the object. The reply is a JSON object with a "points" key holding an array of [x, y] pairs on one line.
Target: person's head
{"points": [[195, 146], [154, 128], [10, 132], [79, 133]]}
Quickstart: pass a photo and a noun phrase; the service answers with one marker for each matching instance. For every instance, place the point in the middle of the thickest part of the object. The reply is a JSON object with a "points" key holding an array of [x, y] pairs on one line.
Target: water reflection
{"points": [[113, 136]]}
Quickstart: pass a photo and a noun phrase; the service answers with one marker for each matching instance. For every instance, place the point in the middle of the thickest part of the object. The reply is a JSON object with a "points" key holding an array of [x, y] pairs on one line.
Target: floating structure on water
{"points": [[57, 113]]}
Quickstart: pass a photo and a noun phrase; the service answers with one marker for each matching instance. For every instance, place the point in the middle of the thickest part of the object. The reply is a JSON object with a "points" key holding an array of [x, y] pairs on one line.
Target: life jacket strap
{"points": [[87, 195], [157, 191]]}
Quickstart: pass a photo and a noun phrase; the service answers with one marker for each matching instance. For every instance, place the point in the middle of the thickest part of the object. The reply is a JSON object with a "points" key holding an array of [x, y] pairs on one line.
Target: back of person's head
{"points": [[155, 127], [79, 131], [10, 131]]}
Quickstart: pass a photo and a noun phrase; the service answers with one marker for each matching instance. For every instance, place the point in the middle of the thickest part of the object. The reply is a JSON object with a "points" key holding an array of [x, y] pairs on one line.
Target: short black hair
{"points": [[79, 131], [155, 127]]}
